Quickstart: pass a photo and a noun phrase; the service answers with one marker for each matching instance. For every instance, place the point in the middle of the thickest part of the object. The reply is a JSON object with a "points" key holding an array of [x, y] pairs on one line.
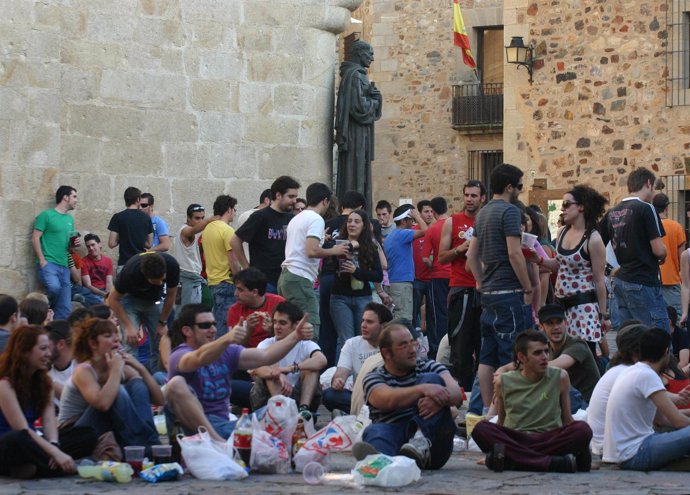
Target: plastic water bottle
{"points": [[242, 440]]}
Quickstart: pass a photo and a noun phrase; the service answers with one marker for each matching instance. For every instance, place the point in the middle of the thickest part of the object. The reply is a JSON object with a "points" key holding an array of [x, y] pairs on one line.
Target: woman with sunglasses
{"points": [[109, 389], [352, 289], [581, 262], [26, 393]]}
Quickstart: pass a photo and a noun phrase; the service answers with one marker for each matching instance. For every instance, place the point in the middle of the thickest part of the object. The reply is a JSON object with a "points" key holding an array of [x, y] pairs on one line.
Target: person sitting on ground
{"points": [[295, 375], [628, 343], [62, 364], [96, 268], [680, 342], [638, 400], [34, 311], [109, 389], [353, 354], [9, 318], [568, 353], [535, 429], [25, 395], [410, 403], [199, 388]]}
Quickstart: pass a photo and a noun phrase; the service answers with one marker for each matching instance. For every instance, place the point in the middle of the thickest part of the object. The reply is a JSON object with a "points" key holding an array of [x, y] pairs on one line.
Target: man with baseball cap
{"points": [[398, 249]]}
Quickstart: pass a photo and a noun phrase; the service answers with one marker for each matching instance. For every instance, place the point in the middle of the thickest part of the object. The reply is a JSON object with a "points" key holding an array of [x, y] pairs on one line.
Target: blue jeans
{"points": [[503, 318], [328, 337], [642, 302], [147, 313], [89, 297], [387, 438], [437, 314], [671, 295], [420, 291], [337, 399], [659, 449], [129, 417], [190, 288], [346, 313], [58, 286], [223, 298]]}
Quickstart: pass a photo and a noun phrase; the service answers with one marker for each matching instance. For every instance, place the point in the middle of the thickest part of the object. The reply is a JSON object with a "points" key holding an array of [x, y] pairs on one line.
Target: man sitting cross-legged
{"points": [[535, 428], [410, 404], [296, 375], [201, 367]]}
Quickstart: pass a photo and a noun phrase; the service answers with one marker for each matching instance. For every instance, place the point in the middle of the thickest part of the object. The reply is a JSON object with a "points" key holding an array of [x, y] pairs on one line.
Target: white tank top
{"points": [[187, 256]]}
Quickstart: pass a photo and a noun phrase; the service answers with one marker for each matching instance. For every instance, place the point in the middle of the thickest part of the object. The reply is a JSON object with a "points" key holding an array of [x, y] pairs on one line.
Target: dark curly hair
{"points": [[33, 390], [367, 249], [593, 203]]}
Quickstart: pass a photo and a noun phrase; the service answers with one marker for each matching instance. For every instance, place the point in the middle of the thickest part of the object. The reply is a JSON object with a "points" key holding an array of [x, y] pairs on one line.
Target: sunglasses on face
{"points": [[519, 186], [567, 204], [205, 325], [144, 205]]}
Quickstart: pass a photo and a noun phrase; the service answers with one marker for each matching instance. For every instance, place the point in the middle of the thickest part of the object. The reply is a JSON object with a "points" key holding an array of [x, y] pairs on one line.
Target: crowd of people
{"points": [[406, 313]]}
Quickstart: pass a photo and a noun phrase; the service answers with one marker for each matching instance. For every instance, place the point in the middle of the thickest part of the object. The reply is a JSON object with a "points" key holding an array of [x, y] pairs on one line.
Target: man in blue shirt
{"points": [[161, 232]]}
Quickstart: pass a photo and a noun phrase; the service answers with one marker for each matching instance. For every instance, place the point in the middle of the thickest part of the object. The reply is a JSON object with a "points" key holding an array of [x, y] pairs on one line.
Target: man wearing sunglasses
{"points": [[497, 263], [201, 367]]}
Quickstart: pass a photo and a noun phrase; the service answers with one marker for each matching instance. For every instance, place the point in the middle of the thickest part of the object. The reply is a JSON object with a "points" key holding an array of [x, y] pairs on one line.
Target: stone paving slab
{"points": [[462, 475]]}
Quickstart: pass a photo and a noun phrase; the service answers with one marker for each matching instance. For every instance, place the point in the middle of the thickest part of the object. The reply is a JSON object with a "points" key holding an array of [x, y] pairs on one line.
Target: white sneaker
{"points": [[418, 448]]}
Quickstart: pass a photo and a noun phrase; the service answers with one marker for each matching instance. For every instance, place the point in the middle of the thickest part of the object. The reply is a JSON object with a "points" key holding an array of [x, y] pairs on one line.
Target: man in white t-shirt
{"points": [[355, 351], [639, 400], [303, 253], [628, 343], [60, 372], [297, 374]]}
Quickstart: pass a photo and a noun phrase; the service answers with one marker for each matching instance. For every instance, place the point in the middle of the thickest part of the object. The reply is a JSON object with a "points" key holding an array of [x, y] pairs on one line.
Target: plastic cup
{"points": [[162, 454], [134, 456], [528, 240], [313, 473], [161, 425]]}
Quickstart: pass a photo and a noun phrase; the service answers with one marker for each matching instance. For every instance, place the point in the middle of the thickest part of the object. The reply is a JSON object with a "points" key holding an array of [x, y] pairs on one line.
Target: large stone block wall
{"points": [[186, 99], [597, 108], [418, 154]]}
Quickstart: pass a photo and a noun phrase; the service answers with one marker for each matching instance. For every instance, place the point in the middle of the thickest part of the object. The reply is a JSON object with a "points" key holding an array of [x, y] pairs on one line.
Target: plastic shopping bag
{"points": [[280, 418], [207, 459], [270, 455], [337, 435], [386, 471]]}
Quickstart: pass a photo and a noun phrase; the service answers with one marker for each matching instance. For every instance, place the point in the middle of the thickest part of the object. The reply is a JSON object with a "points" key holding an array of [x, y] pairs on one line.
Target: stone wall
{"points": [[418, 154], [597, 108], [186, 99]]}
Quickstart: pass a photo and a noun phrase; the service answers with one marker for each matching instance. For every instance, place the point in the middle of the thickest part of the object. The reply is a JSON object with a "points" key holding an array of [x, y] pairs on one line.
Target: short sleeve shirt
{"points": [[304, 225], [160, 228], [97, 270], [239, 310], [212, 384], [495, 222], [380, 376], [398, 249], [132, 227], [302, 350], [56, 228], [355, 351], [584, 374], [132, 282], [216, 242]]}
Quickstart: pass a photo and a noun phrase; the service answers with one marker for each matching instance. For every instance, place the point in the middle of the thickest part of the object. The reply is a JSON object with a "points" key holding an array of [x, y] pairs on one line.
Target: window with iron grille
{"points": [[678, 53], [481, 163]]}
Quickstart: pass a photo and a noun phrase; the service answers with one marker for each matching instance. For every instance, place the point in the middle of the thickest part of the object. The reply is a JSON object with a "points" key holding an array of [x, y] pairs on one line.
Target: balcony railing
{"points": [[478, 107]]}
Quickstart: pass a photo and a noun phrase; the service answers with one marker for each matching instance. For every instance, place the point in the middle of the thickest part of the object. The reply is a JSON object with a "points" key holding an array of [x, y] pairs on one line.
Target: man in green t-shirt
{"points": [[51, 237], [535, 430]]}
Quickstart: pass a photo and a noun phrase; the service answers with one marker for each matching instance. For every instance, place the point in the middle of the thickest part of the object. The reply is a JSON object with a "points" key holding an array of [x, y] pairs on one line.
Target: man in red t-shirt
{"points": [[422, 273], [437, 306], [96, 268], [464, 308], [254, 305]]}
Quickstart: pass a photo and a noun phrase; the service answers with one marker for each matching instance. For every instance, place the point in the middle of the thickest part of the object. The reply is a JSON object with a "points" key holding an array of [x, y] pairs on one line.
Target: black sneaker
{"points": [[362, 449], [563, 464], [584, 461]]}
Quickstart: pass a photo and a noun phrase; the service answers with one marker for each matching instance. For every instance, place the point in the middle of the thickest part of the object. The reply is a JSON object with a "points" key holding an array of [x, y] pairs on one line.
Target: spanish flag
{"points": [[460, 36]]}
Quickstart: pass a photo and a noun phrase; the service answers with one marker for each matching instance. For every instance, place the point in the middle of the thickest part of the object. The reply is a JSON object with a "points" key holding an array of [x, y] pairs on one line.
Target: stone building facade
{"points": [[186, 99], [599, 105]]}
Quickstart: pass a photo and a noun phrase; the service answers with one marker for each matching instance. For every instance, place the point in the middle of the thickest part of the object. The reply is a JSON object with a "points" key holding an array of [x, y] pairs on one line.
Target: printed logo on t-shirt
{"points": [[214, 380], [277, 234]]}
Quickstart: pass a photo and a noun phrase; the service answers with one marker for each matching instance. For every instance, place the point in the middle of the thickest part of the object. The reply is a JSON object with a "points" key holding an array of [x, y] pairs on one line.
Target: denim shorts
{"points": [[503, 318]]}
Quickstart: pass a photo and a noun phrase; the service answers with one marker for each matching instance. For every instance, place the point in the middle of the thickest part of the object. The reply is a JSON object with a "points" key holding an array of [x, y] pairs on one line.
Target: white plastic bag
{"points": [[207, 459], [269, 455], [280, 419], [386, 471], [337, 435]]}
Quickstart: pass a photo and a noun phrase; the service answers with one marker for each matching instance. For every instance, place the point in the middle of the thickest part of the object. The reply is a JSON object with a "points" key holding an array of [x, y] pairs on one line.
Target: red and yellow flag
{"points": [[460, 36]]}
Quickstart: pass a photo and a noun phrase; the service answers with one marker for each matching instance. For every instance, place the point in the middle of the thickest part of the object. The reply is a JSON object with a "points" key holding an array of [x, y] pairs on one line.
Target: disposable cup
{"points": [[313, 473]]}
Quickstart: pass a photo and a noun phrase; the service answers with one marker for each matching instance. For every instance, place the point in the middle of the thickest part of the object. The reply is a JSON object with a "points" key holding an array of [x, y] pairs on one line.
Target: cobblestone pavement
{"points": [[462, 475]]}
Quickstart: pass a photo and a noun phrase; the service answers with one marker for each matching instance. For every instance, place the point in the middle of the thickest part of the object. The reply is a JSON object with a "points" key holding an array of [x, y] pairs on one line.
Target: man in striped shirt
{"points": [[409, 401]]}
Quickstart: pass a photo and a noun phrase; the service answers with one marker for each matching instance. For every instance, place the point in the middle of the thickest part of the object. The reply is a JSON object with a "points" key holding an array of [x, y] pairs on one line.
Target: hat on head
{"points": [[628, 338], [549, 311], [660, 201], [402, 212]]}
